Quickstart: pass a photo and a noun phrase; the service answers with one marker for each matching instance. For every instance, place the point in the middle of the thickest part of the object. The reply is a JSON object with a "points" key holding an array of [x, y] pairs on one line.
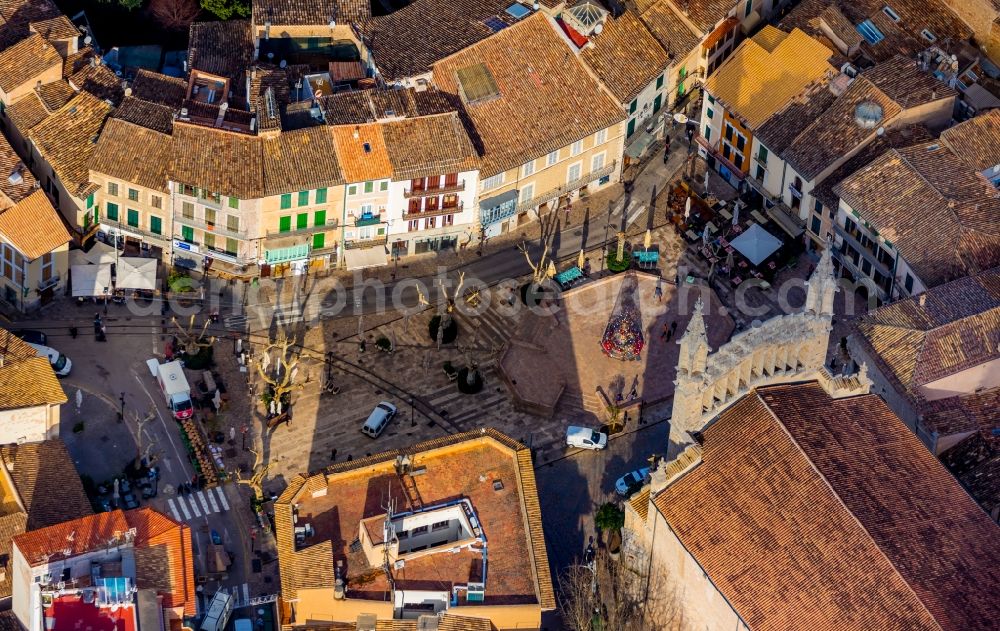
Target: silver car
{"points": [[378, 419]]}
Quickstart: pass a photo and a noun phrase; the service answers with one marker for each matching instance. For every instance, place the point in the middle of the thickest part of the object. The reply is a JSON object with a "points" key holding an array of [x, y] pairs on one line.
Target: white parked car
{"points": [[631, 481], [378, 419], [585, 438], [60, 363]]}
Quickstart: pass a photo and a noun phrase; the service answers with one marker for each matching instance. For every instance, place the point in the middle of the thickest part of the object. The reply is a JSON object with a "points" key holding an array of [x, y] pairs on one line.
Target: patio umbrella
{"points": [[552, 269], [687, 207], [648, 241], [704, 236], [736, 213], [581, 260], [707, 173]]}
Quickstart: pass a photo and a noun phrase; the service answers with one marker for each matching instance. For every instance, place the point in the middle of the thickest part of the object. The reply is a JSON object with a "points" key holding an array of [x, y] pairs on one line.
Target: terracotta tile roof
{"points": [[518, 571], [164, 558], [428, 145], [903, 81], [796, 488], [27, 112], [71, 538], [785, 126], [976, 141], [33, 226], [223, 48], [835, 132], [975, 462], [134, 154], [159, 88], [767, 38], [673, 33], [221, 161], [28, 383], [9, 621], [13, 348], [16, 17], [942, 331], [445, 622], [754, 83], [10, 162], [146, 114], [892, 138], [706, 13], [959, 414], [74, 63], [100, 81], [364, 157], [300, 160], [26, 60], [49, 488], [55, 94], [67, 138], [625, 56], [310, 12], [409, 41], [56, 28], [905, 188], [531, 65], [348, 108], [47, 482], [269, 95]]}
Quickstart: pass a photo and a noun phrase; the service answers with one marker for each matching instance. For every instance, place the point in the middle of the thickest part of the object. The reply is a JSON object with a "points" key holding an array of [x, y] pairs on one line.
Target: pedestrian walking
{"points": [[673, 326], [658, 292]]}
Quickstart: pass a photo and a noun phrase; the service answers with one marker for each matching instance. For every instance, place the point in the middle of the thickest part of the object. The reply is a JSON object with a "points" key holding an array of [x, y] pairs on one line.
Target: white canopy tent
{"points": [[99, 254], [91, 280], [756, 244], [136, 273]]}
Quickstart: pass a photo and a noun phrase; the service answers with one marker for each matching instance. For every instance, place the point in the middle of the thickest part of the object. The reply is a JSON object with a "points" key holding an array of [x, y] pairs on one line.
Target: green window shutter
{"points": [[301, 221], [320, 195], [319, 218], [234, 203], [632, 107], [352, 189], [97, 213], [155, 225], [318, 241], [762, 154], [683, 73], [133, 218], [232, 246], [680, 89], [303, 198], [286, 201], [284, 223], [90, 200], [659, 82], [708, 132], [709, 112], [383, 186], [187, 233], [369, 187], [112, 212], [87, 221]]}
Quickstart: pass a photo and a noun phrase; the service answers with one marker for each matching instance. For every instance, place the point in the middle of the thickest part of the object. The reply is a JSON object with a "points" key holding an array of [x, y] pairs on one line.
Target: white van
{"points": [[378, 419], [60, 363], [585, 438]]}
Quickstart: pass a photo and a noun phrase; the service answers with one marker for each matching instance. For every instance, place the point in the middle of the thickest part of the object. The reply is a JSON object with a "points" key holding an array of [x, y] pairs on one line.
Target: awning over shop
{"points": [[100, 253], [756, 244], [136, 273], [785, 222], [359, 258], [90, 280]]}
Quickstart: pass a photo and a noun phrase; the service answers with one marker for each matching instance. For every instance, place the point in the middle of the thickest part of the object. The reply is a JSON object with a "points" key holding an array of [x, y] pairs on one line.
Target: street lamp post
{"points": [[121, 415]]}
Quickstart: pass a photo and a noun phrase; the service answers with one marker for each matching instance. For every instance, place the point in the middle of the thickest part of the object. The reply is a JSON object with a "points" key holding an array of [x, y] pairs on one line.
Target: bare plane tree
{"points": [[613, 596], [282, 382]]}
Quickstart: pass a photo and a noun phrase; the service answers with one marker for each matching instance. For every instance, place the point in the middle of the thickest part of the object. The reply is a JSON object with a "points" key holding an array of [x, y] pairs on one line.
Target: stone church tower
{"points": [[784, 349]]}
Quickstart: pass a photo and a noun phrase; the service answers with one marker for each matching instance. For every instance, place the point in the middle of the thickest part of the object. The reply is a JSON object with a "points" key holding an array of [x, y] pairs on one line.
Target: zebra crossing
{"points": [[184, 508]]}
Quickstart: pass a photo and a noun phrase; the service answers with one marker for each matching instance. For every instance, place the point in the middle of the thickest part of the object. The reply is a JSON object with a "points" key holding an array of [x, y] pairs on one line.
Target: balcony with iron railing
{"points": [[51, 282], [436, 212], [870, 252], [301, 232], [355, 244], [568, 187], [213, 228], [458, 187]]}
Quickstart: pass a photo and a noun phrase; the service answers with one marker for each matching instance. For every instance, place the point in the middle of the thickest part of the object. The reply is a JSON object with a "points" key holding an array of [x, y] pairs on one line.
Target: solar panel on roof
{"points": [[517, 11], [495, 24]]}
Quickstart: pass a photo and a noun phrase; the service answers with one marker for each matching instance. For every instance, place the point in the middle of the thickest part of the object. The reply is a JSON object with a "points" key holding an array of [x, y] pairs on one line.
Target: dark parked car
{"points": [[31, 336]]}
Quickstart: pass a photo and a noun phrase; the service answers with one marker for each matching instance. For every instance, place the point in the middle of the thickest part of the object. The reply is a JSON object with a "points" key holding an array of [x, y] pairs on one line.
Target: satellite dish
{"points": [[270, 55], [598, 29], [282, 63], [88, 39], [880, 131], [333, 23], [128, 91]]}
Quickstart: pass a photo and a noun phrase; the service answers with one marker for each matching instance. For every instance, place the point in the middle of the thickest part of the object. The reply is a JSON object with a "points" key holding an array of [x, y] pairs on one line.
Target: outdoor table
{"points": [[725, 213], [759, 217], [691, 236], [711, 227]]}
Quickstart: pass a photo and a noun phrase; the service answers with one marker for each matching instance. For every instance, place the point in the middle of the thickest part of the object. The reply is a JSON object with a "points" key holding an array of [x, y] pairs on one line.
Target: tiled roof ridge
{"points": [[532, 514], [759, 394]]}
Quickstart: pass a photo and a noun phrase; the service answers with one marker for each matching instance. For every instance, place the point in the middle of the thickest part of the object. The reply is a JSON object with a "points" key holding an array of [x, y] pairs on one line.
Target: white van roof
{"points": [[174, 381]]}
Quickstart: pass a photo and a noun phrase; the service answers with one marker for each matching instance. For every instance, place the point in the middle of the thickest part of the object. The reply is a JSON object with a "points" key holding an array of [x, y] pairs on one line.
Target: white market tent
{"points": [[136, 273], [99, 254], [756, 244], [91, 280]]}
